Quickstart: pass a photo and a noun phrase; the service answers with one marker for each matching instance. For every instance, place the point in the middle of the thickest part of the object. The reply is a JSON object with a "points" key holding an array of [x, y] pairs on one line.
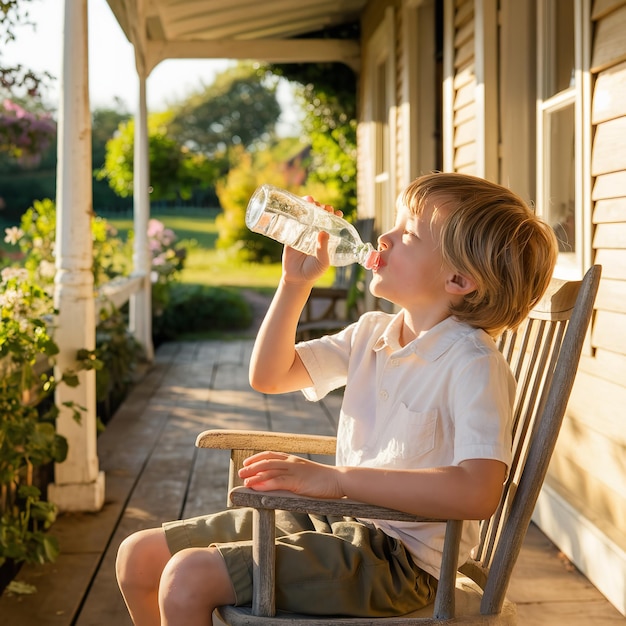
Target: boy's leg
{"points": [[194, 583], [141, 559], [160, 589]]}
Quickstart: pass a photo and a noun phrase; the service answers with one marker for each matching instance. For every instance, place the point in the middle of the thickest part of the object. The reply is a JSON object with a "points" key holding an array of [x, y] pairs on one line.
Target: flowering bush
{"points": [[24, 135], [28, 437], [36, 239], [167, 261]]}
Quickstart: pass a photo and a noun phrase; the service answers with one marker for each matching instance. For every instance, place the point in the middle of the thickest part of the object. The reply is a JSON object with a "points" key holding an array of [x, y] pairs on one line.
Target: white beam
{"points": [[269, 50]]}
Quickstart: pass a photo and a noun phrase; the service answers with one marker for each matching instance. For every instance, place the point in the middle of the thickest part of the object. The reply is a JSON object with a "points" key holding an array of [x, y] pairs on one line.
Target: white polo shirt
{"points": [[444, 398]]}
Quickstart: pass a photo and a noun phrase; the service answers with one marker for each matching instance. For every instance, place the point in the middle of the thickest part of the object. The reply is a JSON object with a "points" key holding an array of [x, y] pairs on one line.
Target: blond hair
{"points": [[489, 234]]}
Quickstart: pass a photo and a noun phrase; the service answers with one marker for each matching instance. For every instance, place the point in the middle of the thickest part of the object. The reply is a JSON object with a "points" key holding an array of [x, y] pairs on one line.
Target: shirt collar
{"points": [[431, 345]]}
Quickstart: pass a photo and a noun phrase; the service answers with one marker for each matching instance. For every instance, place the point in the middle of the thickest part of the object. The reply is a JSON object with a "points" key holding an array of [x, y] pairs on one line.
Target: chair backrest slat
{"points": [[543, 355]]}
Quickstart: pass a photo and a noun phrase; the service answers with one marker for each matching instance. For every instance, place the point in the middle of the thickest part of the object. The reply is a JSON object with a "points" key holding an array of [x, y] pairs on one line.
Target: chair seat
{"points": [[467, 601]]}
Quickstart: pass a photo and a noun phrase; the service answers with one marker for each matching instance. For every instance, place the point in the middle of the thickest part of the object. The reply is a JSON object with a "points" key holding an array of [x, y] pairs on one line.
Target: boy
{"points": [[424, 425]]}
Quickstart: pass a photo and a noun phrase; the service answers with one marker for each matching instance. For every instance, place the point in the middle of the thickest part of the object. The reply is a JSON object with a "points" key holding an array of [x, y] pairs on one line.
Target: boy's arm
{"points": [[470, 490], [275, 367]]}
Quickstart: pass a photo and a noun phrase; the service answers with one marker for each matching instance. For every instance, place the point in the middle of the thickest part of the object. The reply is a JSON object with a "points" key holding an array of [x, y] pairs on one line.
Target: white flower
{"points": [[47, 269], [13, 235], [18, 273]]}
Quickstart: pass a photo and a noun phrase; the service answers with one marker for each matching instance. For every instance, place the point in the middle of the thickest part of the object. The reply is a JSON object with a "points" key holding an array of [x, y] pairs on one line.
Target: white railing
{"points": [[117, 292]]}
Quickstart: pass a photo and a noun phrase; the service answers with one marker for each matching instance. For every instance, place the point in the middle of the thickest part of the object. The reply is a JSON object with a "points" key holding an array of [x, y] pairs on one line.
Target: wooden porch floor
{"points": [[154, 473]]}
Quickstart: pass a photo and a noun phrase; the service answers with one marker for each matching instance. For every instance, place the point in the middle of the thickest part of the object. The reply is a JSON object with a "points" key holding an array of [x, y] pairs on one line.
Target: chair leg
{"points": [[444, 601], [263, 568]]}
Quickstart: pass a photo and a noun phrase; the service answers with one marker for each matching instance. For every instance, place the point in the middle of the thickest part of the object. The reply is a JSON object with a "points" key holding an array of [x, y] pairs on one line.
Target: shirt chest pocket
{"points": [[411, 434]]}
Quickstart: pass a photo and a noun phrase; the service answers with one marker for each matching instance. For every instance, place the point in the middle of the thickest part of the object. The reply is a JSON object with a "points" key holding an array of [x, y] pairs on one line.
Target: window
{"points": [[562, 169]]}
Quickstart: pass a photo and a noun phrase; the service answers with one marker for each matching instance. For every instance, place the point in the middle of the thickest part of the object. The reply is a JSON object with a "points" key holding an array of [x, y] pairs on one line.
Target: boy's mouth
{"points": [[378, 263], [372, 260]]}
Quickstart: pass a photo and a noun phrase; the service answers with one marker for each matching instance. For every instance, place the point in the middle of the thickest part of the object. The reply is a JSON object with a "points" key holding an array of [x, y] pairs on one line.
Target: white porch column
{"points": [[79, 485], [141, 302]]}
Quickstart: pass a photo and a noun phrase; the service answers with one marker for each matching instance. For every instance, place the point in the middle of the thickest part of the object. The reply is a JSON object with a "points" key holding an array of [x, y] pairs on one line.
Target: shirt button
{"points": [[383, 394], [395, 362]]}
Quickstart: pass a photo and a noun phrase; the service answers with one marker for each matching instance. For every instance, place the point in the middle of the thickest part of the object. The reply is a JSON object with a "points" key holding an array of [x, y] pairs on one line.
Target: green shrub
{"points": [[201, 309]]}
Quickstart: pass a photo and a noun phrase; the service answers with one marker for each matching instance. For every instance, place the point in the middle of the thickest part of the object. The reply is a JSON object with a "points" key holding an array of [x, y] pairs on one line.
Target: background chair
{"points": [[544, 355]]}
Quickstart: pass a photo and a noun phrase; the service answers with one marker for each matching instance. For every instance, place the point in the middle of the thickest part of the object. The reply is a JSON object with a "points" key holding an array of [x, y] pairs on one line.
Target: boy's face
{"points": [[411, 271]]}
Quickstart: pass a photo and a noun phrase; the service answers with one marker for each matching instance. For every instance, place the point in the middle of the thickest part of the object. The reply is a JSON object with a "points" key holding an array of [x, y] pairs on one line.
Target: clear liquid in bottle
{"points": [[296, 222]]}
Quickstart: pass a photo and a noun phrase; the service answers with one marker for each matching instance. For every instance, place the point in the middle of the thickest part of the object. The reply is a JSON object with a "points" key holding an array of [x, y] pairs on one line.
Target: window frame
{"points": [[570, 265]]}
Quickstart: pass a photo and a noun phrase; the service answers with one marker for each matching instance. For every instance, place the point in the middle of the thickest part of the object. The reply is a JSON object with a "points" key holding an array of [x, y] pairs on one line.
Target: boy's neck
{"points": [[415, 326]]}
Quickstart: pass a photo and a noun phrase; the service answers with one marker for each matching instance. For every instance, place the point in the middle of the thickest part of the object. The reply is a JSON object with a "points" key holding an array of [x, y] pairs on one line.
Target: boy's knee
{"points": [[193, 580], [139, 555]]}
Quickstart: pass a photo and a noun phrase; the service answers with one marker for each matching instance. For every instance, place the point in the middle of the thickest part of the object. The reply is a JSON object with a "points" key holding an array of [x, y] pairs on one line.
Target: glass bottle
{"points": [[296, 222]]}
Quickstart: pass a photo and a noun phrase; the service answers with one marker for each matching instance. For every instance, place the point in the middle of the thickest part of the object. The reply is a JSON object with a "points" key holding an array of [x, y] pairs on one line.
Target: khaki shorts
{"points": [[324, 566]]}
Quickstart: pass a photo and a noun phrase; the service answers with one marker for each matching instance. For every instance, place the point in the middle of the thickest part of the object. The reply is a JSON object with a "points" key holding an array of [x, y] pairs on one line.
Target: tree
{"points": [[238, 109], [190, 144], [174, 170]]}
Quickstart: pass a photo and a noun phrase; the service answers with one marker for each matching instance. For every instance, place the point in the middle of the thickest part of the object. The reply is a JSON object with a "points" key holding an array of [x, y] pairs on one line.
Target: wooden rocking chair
{"points": [[544, 356]]}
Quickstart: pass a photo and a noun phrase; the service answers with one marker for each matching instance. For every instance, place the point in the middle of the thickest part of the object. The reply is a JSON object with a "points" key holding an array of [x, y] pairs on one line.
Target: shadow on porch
{"points": [[155, 473]]}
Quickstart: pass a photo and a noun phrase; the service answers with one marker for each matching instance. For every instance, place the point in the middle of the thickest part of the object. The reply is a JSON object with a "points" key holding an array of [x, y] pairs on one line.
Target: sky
{"points": [[111, 61]]}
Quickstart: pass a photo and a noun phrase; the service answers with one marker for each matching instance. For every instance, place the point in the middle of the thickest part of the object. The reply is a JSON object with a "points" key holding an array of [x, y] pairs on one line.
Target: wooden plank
{"points": [[465, 96], [609, 94], [611, 185], [608, 154], [464, 12], [609, 331], [464, 76], [465, 113], [597, 454], [601, 8], [613, 263], [610, 236], [609, 47], [598, 403], [610, 211], [596, 501], [464, 55], [612, 296], [465, 133], [158, 496], [61, 586], [465, 156], [605, 365], [464, 34]]}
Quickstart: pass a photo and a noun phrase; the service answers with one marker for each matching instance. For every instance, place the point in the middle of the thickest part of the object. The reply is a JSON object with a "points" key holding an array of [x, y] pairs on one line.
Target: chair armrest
{"points": [[260, 440], [288, 501]]}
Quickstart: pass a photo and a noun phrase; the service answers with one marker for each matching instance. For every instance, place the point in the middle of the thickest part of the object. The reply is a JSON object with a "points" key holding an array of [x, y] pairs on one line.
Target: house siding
{"points": [[464, 89], [588, 467]]}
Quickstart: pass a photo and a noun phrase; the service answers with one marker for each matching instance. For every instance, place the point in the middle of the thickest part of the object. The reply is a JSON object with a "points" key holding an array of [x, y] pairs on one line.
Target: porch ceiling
{"points": [[236, 29]]}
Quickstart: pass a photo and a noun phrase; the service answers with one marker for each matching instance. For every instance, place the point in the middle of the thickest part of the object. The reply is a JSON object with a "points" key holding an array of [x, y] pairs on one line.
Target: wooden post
{"points": [[78, 485]]}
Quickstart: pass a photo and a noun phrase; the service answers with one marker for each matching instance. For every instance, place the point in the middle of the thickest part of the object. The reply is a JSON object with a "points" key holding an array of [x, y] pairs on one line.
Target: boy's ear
{"points": [[460, 284]]}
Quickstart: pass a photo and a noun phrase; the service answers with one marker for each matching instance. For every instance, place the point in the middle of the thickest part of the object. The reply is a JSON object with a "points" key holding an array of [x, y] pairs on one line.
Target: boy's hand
{"points": [[299, 267], [268, 471]]}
